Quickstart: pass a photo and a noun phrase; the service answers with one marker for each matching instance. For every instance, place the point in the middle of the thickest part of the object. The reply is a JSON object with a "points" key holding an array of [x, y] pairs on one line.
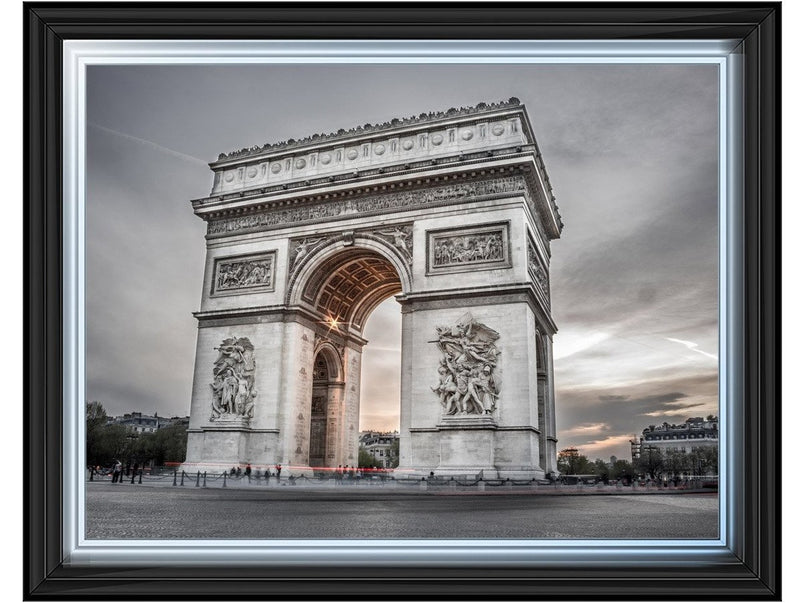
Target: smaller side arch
{"points": [[333, 359]]}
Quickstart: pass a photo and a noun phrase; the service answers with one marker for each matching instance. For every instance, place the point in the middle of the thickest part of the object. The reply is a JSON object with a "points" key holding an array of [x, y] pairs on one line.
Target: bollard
{"points": [[224, 479], [140, 481], [197, 479], [182, 478], [205, 479], [175, 472], [133, 475]]}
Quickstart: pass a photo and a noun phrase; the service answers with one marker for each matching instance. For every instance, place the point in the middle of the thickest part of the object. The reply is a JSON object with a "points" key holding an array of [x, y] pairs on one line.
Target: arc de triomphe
{"points": [[453, 214]]}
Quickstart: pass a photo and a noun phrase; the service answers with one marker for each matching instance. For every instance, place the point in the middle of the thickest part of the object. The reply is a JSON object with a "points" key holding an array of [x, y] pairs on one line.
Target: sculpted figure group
{"points": [[233, 390], [467, 249], [237, 275], [467, 385]]}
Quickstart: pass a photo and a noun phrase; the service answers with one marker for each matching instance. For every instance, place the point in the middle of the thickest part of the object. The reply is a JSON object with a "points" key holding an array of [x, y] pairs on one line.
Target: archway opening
{"points": [[345, 290], [323, 386], [380, 386]]}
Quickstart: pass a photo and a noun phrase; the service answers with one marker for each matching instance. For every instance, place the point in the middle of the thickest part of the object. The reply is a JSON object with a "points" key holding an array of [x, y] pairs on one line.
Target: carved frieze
{"points": [[244, 274], [370, 204], [481, 247], [467, 382], [233, 390], [537, 271]]}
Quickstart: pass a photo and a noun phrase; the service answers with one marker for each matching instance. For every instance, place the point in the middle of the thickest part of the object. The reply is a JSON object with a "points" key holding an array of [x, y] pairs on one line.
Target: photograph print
{"points": [[390, 301]]}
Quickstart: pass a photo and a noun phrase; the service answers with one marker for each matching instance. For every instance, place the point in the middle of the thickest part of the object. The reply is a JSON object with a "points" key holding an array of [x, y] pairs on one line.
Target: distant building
{"points": [[140, 423], [380, 445], [694, 433]]}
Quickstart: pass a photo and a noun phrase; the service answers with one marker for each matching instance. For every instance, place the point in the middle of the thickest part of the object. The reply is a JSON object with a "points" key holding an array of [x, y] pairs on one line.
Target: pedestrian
{"points": [[267, 475], [117, 472], [248, 472], [232, 472], [239, 472], [278, 470], [338, 474]]}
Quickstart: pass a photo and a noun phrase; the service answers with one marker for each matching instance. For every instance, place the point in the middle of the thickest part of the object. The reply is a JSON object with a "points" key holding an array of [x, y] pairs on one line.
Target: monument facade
{"points": [[452, 213]]}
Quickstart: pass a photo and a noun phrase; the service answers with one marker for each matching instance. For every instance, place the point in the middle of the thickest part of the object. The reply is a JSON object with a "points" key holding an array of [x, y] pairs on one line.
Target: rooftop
{"points": [[432, 116]]}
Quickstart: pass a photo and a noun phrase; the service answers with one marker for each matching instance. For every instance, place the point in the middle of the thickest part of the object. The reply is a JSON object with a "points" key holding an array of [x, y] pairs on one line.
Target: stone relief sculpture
{"points": [[537, 272], [402, 238], [244, 273], [233, 389], [468, 249], [467, 385], [299, 249]]}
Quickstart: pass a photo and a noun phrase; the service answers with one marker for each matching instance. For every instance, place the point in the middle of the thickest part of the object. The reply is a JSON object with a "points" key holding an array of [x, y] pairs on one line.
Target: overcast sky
{"points": [[632, 155]]}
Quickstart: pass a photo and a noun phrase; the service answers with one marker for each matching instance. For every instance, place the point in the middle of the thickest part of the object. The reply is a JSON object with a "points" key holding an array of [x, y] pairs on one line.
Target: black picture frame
{"points": [[750, 569]]}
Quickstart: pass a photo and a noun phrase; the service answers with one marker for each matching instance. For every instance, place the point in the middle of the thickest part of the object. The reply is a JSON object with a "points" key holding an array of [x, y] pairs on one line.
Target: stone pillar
{"points": [[550, 439], [334, 423], [296, 358], [406, 384], [351, 407]]}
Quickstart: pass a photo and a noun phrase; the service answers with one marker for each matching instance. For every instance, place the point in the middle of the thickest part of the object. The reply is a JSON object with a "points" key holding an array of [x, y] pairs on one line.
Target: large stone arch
{"points": [[453, 214]]}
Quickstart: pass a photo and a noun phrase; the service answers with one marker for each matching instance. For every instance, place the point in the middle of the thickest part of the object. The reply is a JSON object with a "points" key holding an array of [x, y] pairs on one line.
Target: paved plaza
{"points": [[133, 511]]}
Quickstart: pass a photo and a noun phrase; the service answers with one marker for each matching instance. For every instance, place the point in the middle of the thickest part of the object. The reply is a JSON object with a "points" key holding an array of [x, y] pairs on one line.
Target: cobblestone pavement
{"points": [[126, 511]]}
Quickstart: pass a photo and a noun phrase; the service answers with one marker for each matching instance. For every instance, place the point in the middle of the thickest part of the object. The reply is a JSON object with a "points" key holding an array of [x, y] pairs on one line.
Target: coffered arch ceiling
{"points": [[348, 286]]}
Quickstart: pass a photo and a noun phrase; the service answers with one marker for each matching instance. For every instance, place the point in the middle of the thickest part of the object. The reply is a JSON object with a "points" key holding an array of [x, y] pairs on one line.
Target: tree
{"points": [[168, 444], [394, 452], [105, 443], [704, 460], [622, 469], [651, 461], [572, 462], [602, 470], [365, 458], [677, 463]]}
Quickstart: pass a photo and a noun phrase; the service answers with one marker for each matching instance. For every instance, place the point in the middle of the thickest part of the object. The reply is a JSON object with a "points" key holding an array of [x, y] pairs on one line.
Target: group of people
{"points": [[248, 472], [117, 471]]}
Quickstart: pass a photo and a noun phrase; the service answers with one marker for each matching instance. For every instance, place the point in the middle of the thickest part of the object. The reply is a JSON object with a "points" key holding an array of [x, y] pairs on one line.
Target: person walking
{"points": [[278, 471]]}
